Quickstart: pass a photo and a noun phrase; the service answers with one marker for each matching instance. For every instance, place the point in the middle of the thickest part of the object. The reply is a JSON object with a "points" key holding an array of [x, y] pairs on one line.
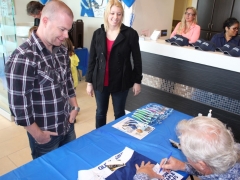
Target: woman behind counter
{"points": [[188, 26], [229, 35], [109, 68]]}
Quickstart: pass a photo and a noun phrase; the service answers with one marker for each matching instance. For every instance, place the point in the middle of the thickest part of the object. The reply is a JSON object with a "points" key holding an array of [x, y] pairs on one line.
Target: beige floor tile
{"points": [[4, 123], [6, 165], [21, 157], [11, 132], [14, 144]]}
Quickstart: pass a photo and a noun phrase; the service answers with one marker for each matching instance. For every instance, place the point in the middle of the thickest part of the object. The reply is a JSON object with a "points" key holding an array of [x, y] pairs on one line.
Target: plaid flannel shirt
{"points": [[40, 85]]}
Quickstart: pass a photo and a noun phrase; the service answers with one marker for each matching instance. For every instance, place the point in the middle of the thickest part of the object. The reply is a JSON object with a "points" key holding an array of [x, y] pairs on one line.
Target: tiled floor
{"points": [[14, 147]]}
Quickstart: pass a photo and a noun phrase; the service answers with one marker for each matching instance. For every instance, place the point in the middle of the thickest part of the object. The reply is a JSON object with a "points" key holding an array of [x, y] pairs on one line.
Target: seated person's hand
{"points": [[147, 169], [172, 164]]}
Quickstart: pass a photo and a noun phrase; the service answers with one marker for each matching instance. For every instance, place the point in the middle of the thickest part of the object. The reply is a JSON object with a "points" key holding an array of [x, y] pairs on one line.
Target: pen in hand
{"points": [[166, 161]]}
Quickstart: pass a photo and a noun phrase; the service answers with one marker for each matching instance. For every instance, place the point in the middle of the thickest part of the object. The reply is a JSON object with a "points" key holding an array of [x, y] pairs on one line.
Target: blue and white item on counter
{"points": [[235, 52], [206, 46], [197, 43], [226, 47], [152, 114], [173, 38], [181, 41]]}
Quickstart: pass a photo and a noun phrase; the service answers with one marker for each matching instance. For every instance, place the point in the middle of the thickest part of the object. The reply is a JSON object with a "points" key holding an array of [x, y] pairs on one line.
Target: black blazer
{"points": [[122, 72]]}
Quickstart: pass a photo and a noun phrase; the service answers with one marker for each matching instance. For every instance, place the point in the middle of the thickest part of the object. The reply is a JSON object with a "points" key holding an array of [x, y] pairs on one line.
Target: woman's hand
{"points": [[136, 89], [147, 169], [89, 89]]}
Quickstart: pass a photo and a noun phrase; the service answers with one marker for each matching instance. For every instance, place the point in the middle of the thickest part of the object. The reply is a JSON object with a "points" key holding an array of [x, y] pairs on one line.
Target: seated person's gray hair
{"points": [[209, 140]]}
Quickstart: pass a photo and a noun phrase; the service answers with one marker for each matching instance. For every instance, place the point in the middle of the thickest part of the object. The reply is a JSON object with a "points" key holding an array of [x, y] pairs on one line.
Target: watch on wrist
{"points": [[76, 108]]}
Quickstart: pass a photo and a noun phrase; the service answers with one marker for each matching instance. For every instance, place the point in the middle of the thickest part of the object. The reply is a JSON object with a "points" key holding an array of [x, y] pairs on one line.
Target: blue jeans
{"points": [[102, 100], [55, 142]]}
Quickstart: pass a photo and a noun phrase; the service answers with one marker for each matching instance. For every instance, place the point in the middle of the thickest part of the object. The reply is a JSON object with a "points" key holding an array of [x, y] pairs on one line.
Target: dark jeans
{"points": [[102, 100], [55, 142]]}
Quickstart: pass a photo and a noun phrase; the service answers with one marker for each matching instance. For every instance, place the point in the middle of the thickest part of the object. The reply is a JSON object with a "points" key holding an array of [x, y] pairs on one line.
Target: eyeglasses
{"points": [[235, 29], [189, 14]]}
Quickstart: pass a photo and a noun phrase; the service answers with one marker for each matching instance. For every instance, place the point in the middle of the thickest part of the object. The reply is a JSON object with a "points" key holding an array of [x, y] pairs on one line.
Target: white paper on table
{"points": [[133, 127], [101, 171], [170, 176]]}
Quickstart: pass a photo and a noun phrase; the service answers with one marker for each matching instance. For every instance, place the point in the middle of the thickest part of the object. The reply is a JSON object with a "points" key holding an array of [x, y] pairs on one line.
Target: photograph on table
{"points": [[133, 127]]}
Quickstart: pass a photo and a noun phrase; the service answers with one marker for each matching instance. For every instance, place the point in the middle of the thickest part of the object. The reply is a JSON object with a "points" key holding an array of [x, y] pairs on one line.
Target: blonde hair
{"points": [[110, 4], [183, 25], [31, 30]]}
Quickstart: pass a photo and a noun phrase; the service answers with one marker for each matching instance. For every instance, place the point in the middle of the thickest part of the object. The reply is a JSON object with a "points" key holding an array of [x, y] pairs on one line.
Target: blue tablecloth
{"points": [[95, 147]]}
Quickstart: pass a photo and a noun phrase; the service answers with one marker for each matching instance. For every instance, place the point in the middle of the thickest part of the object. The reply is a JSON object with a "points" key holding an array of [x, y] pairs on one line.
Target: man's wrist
{"points": [[76, 108]]}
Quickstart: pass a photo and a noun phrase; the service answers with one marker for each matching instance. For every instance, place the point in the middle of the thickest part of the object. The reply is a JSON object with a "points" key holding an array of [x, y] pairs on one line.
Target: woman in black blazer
{"points": [[110, 71]]}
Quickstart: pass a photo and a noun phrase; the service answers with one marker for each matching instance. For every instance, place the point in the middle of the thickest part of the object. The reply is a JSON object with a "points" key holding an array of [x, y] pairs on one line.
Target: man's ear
{"points": [[45, 20], [202, 165], [205, 169]]}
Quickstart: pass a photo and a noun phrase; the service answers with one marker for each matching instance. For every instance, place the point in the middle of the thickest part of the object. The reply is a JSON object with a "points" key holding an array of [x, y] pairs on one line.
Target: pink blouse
{"points": [[193, 34]]}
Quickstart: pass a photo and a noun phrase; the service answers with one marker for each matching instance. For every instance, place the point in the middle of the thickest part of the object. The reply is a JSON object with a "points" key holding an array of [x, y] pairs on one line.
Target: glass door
{"points": [[8, 44]]}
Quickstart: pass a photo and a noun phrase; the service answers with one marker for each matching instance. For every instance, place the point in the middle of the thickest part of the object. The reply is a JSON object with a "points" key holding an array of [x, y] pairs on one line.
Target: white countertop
{"points": [[187, 53]]}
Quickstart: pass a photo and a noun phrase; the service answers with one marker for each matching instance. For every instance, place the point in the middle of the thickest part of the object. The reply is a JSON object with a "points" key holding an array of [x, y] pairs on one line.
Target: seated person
{"points": [[229, 35], [34, 9], [210, 150], [188, 26]]}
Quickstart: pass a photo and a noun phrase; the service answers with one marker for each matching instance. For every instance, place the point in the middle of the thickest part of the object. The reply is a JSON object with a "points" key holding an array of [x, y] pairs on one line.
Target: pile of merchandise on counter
{"points": [[152, 114]]}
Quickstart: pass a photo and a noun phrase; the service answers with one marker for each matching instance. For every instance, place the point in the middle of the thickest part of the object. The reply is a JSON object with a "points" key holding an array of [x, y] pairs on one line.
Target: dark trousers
{"points": [[55, 142], [102, 100]]}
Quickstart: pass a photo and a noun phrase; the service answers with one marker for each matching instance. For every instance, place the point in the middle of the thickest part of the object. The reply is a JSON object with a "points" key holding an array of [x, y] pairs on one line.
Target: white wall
{"points": [[21, 12], [155, 15]]}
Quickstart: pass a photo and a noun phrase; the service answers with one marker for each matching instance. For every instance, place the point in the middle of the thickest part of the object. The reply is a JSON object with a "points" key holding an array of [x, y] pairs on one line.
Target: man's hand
{"points": [[42, 137], [73, 115], [147, 169], [45, 137]]}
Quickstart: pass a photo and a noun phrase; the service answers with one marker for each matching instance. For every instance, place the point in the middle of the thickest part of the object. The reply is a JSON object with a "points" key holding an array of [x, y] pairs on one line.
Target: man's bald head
{"points": [[54, 7], [56, 21]]}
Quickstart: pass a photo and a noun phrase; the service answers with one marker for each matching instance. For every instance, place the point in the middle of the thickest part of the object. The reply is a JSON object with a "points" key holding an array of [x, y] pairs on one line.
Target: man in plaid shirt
{"points": [[40, 87]]}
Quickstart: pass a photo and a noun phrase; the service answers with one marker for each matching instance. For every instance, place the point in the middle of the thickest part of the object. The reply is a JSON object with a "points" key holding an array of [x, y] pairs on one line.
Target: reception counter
{"points": [[188, 53], [191, 81]]}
